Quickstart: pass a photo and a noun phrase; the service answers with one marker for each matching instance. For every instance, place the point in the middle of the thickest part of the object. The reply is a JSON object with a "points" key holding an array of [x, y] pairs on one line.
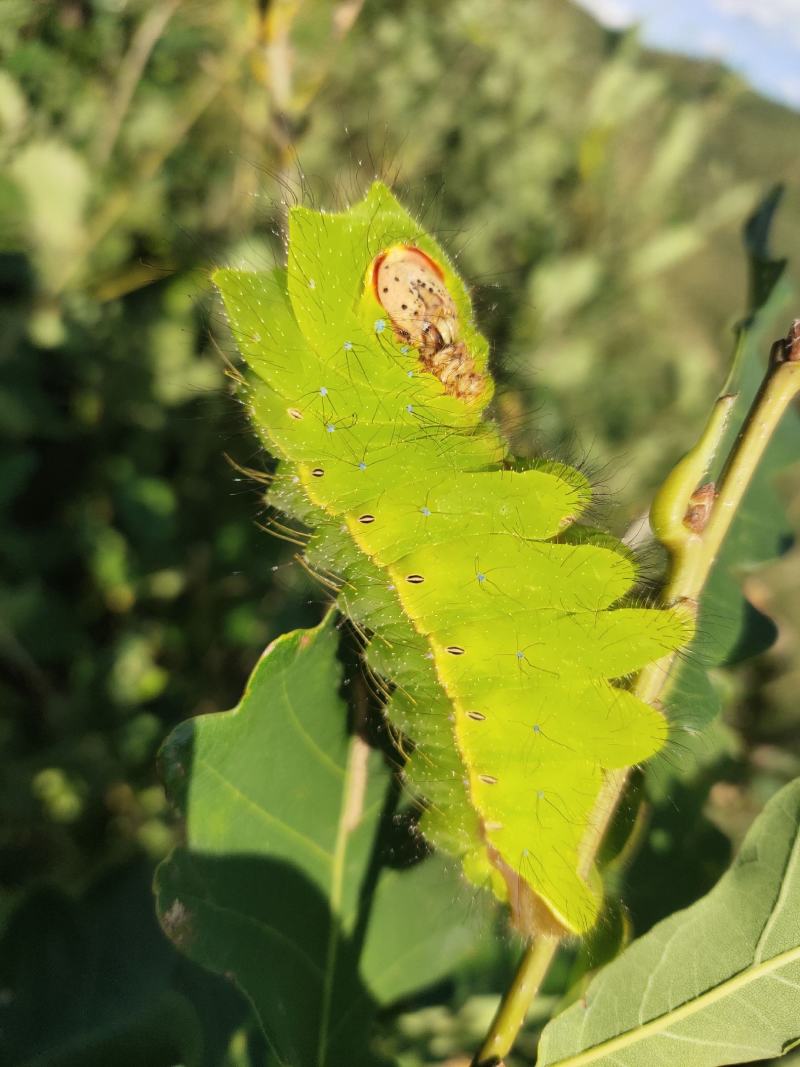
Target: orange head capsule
{"points": [[410, 286]]}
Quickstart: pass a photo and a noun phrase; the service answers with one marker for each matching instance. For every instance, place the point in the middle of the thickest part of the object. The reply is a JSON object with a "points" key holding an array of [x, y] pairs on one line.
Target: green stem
{"points": [[517, 1000], [129, 74], [669, 507], [693, 553], [777, 391], [116, 205]]}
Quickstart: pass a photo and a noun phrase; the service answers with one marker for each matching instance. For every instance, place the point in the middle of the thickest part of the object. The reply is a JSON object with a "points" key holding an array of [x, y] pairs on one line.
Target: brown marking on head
{"points": [[410, 287]]}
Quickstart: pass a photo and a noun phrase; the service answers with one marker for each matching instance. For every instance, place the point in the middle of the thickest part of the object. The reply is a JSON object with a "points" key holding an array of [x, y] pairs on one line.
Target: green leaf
{"points": [[765, 270], [279, 885], [718, 983], [91, 982]]}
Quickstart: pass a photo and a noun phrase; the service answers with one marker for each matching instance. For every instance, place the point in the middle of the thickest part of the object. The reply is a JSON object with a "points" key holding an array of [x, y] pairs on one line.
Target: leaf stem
{"points": [[349, 817], [517, 1000], [693, 547]]}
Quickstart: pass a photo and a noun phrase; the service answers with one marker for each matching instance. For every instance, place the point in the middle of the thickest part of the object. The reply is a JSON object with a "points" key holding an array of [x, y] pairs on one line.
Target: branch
{"points": [[131, 69], [691, 520]]}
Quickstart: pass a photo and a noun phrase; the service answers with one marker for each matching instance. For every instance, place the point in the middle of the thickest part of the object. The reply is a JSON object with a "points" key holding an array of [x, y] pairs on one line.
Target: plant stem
{"points": [[780, 386], [693, 552], [517, 1000], [115, 206], [130, 72]]}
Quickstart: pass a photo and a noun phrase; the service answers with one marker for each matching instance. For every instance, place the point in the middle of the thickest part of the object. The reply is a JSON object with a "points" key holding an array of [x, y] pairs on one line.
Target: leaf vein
{"points": [[307, 738], [263, 927], [689, 1008], [263, 814], [787, 886]]}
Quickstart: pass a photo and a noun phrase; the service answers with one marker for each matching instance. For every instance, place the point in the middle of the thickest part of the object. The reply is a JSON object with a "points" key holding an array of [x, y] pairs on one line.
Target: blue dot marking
{"points": [[362, 466], [410, 409], [425, 511], [330, 427], [537, 728], [348, 346], [323, 391], [520, 654], [410, 374], [481, 576], [540, 794], [404, 349], [380, 325]]}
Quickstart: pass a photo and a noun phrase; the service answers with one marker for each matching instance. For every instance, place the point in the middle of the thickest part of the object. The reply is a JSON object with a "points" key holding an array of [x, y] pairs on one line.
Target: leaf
{"points": [[55, 183], [279, 885], [422, 924], [765, 270], [92, 982], [718, 983]]}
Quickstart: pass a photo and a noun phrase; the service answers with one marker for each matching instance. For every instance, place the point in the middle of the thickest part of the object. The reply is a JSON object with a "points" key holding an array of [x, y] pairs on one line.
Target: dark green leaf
{"points": [[278, 886], [92, 982]]}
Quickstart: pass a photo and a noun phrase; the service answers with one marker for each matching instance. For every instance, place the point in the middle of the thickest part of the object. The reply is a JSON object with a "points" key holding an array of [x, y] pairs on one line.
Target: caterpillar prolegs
{"points": [[499, 622]]}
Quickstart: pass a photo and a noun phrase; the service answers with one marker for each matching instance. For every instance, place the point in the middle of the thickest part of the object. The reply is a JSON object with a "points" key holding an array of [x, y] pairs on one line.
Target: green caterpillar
{"points": [[499, 622]]}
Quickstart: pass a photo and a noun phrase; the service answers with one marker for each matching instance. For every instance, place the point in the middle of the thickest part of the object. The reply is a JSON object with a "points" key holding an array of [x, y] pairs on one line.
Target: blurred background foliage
{"points": [[594, 194]]}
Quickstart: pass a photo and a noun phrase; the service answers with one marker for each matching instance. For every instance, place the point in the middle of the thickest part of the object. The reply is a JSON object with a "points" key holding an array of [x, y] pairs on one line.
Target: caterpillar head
{"points": [[410, 287]]}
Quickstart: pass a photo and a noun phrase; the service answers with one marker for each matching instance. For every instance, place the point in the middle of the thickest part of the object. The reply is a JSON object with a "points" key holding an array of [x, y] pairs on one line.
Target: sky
{"points": [[758, 38]]}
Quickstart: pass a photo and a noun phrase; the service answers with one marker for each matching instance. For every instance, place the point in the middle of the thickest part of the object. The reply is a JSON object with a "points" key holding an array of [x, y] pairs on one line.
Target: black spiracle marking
{"points": [[366, 519], [456, 650], [415, 579], [317, 472], [478, 716]]}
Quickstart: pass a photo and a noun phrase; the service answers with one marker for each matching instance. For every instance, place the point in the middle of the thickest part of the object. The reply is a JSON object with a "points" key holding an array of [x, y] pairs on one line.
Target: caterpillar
{"points": [[503, 629]]}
